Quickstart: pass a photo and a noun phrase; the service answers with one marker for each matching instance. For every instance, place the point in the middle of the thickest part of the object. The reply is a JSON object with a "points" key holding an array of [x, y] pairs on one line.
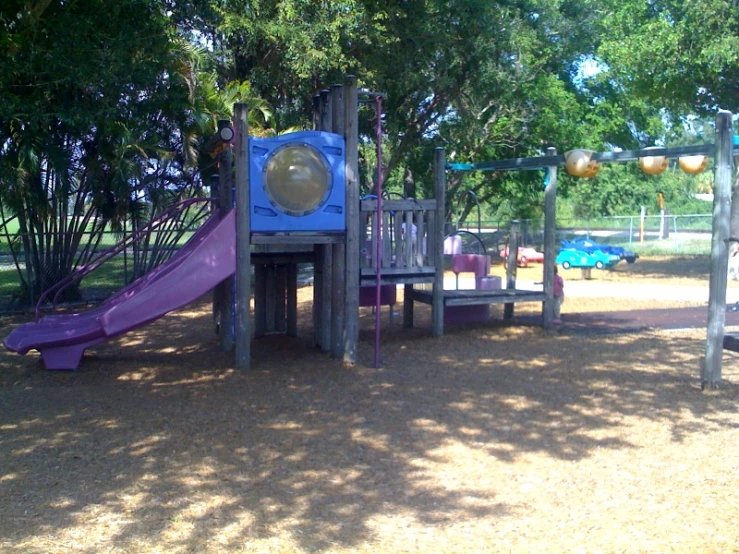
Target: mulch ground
{"points": [[692, 317], [494, 438]]}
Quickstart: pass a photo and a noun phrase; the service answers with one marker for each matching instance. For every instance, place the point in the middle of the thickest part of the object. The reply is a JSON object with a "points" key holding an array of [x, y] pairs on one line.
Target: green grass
{"points": [[670, 247], [97, 285]]}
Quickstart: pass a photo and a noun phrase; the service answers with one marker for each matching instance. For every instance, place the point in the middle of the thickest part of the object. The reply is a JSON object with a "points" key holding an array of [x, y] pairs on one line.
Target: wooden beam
{"points": [[319, 118], [437, 306], [300, 237], [226, 289], [542, 162], [512, 264], [410, 204], [338, 255], [324, 122], [723, 171], [260, 300], [243, 245], [292, 299], [325, 258], [351, 300], [550, 240]]}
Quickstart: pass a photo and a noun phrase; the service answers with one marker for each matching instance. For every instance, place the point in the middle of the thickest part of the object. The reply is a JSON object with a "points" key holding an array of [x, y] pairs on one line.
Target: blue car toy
{"points": [[587, 245], [570, 257]]}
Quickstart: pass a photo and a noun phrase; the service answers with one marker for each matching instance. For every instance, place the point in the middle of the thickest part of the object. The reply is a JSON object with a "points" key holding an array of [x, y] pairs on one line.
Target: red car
{"points": [[526, 255]]}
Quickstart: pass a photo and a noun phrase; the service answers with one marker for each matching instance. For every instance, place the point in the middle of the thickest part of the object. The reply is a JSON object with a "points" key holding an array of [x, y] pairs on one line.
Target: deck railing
{"points": [[407, 236]]}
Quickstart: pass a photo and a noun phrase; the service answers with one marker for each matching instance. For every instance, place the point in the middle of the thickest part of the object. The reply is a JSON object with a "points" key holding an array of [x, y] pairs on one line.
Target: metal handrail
{"points": [[474, 235], [479, 220]]}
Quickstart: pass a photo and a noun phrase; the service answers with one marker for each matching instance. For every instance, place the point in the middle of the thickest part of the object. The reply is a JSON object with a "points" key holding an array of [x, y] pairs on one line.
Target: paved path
{"points": [[611, 289], [629, 320], [634, 320], [605, 289]]}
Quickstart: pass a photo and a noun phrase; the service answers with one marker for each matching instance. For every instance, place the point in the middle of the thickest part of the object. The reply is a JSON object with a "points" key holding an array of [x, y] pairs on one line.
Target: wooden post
{"points": [[316, 112], [270, 298], [437, 299], [326, 109], [243, 239], [351, 301], [338, 254], [317, 293], [550, 222], [280, 296], [409, 191], [711, 367], [326, 260], [292, 300], [324, 252], [512, 265], [319, 104], [408, 305], [225, 202], [260, 300], [219, 301]]}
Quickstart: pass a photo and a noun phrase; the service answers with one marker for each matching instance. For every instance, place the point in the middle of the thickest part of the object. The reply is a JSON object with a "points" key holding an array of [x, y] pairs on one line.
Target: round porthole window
{"points": [[297, 179]]}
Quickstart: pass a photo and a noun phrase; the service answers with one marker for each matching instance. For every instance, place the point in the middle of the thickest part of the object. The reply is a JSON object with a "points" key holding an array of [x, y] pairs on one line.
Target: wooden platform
{"points": [[473, 297], [397, 275]]}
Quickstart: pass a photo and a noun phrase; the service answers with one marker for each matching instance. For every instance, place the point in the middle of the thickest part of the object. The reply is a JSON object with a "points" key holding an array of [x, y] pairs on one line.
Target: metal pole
{"points": [[378, 229], [437, 302]]}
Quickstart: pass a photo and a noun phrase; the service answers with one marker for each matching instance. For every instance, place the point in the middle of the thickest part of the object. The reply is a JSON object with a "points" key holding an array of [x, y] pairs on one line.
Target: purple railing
{"points": [[171, 213]]}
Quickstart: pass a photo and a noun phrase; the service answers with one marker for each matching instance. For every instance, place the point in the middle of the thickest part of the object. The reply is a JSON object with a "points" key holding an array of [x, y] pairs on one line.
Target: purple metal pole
{"points": [[378, 228]]}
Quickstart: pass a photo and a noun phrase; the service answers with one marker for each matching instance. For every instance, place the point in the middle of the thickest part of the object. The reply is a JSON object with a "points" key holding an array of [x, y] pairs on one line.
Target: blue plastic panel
{"points": [[297, 182]]}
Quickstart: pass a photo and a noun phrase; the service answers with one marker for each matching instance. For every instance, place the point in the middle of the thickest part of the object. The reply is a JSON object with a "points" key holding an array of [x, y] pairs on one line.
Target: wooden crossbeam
{"points": [[540, 162]]}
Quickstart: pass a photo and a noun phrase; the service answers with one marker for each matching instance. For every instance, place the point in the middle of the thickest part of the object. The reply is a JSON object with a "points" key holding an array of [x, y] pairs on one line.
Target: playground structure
{"points": [[391, 256], [341, 265], [692, 160]]}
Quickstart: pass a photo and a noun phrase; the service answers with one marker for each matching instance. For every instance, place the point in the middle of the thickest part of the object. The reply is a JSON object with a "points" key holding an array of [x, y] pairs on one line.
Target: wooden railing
{"points": [[401, 252]]}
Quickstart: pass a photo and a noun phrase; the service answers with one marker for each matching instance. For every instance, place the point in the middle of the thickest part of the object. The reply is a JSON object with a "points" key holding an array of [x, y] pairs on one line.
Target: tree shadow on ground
{"points": [[159, 441]]}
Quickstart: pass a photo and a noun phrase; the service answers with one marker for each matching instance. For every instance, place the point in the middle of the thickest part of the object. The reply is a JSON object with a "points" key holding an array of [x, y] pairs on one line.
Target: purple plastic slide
{"points": [[204, 261]]}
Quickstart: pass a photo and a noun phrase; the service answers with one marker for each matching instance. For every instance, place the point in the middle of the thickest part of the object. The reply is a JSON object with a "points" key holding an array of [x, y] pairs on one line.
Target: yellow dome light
{"points": [[693, 164], [653, 165], [579, 164], [592, 169]]}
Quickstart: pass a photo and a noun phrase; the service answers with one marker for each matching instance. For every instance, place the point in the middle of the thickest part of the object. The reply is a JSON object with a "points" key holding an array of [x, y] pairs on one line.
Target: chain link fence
{"points": [[105, 261], [669, 234], [16, 289], [655, 234]]}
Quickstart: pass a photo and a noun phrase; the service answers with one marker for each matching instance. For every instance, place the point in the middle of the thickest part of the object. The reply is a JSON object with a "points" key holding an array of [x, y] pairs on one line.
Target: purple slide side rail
{"points": [[172, 212], [207, 259], [145, 280]]}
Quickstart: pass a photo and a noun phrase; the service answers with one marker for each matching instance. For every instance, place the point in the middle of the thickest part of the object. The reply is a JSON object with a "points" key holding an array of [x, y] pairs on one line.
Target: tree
{"points": [[93, 96], [682, 57]]}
